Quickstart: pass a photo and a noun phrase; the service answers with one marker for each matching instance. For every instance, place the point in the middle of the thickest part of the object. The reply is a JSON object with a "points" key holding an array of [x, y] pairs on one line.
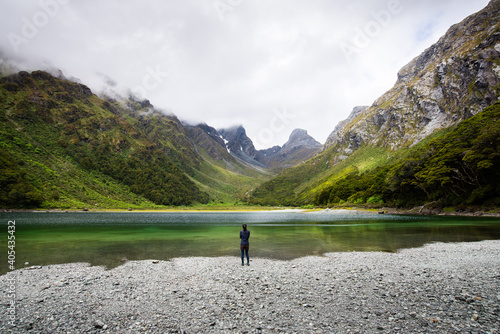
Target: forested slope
{"points": [[62, 146], [459, 166], [370, 157]]}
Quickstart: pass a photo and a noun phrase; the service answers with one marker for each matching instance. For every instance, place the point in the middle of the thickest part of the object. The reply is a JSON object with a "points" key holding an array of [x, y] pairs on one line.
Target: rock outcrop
{"points": [[335, 136], [240, 146], [452, 80]]}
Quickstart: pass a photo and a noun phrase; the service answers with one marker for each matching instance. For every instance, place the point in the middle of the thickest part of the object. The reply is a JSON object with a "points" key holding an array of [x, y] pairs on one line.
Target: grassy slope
{"points": [[58, 179], [31, 139], [225, 186], [221, 175], [456, 166], [62, 147]]}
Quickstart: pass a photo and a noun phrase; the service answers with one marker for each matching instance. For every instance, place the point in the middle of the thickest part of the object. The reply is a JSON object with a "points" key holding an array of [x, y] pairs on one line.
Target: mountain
{"points": [[225, 177], [432, 139], [452, 80], [65, 147], [456, 168], [240, 146], [378, 155], [299, 147]]}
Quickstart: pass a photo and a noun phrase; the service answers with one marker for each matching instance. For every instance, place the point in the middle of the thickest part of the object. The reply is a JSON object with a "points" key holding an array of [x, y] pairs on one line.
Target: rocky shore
{"points": [[439, 288]]}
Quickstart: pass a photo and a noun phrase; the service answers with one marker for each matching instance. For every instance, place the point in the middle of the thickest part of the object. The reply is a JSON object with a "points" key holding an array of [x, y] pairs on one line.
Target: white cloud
{"points": [[261, 57]]}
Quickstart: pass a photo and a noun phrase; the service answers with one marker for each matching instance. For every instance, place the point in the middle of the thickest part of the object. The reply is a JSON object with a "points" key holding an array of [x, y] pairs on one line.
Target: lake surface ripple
{"points": [[44, 238]]}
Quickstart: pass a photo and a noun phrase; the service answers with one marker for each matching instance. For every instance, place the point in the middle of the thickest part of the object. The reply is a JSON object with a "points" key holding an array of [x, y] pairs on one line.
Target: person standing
{"points": [[244, 245]]}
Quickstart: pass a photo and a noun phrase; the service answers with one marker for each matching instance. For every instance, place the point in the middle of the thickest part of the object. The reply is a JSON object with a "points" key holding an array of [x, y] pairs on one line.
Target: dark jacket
{"points": [[244, 237]]}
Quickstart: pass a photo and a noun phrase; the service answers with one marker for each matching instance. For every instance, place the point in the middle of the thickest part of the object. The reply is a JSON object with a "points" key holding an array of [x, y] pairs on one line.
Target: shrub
{"points": [[375, 200]]}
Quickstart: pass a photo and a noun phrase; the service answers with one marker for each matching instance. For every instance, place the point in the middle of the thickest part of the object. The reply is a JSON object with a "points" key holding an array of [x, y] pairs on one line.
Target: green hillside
{"points": [[64, 147], [457, 166], [226, 179]]}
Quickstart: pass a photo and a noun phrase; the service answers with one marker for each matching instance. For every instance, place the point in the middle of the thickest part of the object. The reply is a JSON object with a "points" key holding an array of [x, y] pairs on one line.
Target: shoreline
{"points": [[349, 210], [452, 288]]}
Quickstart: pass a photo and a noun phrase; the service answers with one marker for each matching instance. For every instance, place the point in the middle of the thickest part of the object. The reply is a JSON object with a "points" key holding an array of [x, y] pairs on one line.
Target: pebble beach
{"points": [[438, 288]]}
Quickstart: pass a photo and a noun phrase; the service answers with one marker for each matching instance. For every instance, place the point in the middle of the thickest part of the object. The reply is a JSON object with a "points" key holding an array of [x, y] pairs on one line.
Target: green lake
{"points": [[43, 238]]}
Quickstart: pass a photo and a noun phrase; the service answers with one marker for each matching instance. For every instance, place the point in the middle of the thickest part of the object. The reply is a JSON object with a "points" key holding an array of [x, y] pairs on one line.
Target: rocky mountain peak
{"points": [[300, 137], [299, 147]]}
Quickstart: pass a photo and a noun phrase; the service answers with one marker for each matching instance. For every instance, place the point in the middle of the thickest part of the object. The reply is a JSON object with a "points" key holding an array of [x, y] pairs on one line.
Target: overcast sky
{"points": [[270, 65]]}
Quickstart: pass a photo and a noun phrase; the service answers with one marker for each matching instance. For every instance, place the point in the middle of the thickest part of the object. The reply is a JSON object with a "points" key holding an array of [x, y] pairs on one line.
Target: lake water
{"points": [[44, 238]]}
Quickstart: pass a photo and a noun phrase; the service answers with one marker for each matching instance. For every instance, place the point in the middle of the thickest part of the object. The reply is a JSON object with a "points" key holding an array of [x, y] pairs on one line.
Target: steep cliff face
{"points": [[336, 135], [240, 146], [452, 80], [210, 145]]}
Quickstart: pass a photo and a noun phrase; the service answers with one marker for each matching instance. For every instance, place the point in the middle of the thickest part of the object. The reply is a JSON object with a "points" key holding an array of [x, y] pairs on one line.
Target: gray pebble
{"points": [[436, 288]]}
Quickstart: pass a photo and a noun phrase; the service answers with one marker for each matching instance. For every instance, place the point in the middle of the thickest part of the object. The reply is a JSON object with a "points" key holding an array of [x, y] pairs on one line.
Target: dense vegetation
{"points": [[458, 166], [16, 189], [63, 146]]}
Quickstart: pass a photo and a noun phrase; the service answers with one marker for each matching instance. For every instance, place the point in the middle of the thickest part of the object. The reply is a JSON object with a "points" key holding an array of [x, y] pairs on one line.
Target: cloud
{"points": [[235, 62]]}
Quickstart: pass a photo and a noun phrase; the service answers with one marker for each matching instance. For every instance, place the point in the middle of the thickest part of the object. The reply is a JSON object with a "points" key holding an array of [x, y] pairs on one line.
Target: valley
{"points": [[431, 140]]}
